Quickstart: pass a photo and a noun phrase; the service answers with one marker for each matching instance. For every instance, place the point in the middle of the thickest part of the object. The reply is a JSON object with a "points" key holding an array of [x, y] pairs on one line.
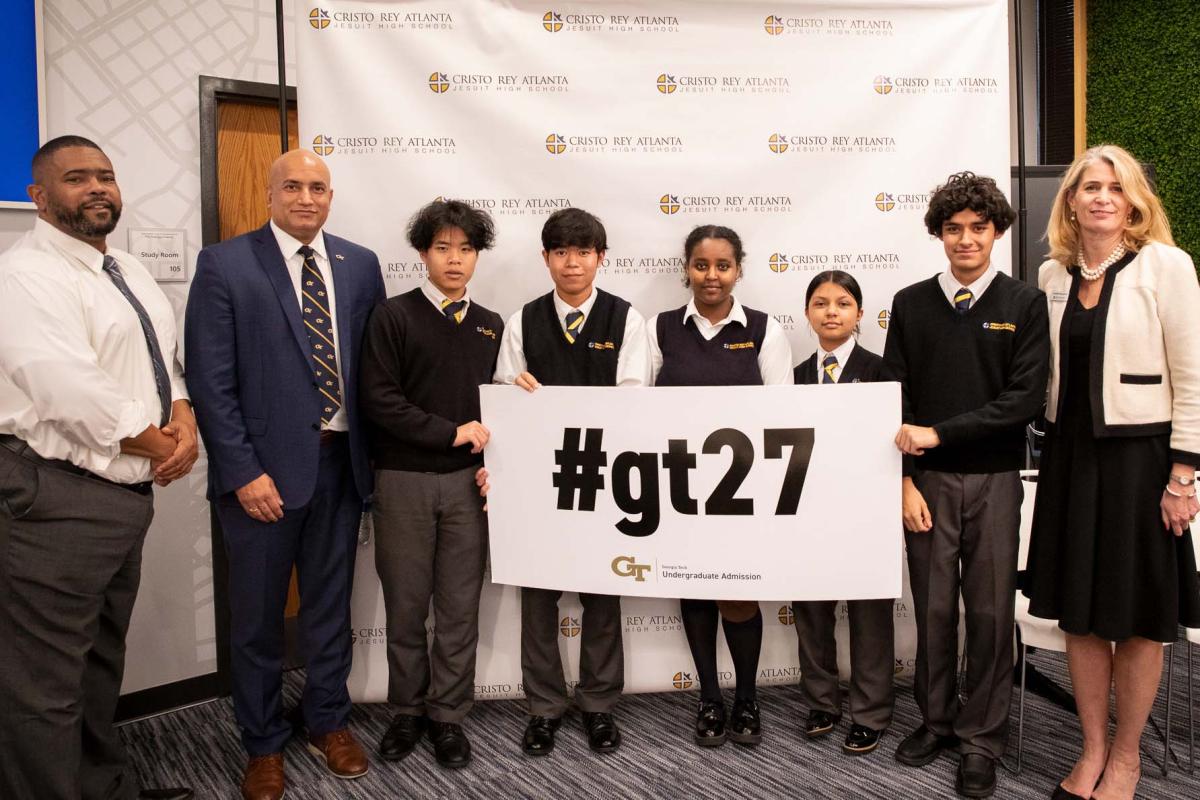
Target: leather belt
{"points": [[21, 448], [329, 437]]}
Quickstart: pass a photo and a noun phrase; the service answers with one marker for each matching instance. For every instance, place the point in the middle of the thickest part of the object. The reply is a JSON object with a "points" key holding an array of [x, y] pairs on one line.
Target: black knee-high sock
{"points": [[700, 625], [745, 643]]}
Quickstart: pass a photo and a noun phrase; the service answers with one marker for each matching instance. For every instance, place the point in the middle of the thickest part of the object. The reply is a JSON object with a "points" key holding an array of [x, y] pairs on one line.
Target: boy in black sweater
{"points": [[577, 335], [970, 348], [425, 354]]}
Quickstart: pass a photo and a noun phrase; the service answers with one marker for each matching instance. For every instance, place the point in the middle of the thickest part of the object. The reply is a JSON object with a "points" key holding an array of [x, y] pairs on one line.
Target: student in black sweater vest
{"points": [[970, 348], [716, 341], [833, 305], [577, 335], [425, 354]]}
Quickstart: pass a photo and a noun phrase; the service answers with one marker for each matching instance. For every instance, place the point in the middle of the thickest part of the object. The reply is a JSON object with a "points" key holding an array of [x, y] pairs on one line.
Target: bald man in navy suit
{"points": [[275, 319]]}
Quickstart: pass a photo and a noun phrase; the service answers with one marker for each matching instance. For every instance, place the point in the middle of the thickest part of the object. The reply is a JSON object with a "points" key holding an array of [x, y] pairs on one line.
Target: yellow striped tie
{"points": [[574, 323], [454, 309], [962, 300]]}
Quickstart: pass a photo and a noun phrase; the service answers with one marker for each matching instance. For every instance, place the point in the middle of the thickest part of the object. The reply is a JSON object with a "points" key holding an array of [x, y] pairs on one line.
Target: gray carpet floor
{"points": [[199, 747]]}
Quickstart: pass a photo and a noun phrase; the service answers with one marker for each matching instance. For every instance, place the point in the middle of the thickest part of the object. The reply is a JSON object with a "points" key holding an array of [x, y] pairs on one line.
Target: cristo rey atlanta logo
{"points": [[552, 21], [682, 680], [778, 262], [555, 144], [786, 617], [773, 25], [318, 18], [438, 82], [569, 627], [322, 145], [882, 84]]}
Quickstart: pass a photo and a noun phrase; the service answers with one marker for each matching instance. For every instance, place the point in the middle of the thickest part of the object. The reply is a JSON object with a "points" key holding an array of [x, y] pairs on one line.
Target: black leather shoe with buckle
{"points": [[745, 726], [710, 724], [602, 733]]}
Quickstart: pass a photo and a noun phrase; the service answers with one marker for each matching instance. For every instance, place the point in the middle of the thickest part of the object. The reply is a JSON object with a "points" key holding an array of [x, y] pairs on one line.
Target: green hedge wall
{"points": [[1143, 93]]}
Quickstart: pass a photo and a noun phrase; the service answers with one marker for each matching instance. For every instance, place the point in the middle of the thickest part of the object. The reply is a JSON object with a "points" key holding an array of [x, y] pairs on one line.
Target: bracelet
{"points": [[1178, 494], [1182, 480]]}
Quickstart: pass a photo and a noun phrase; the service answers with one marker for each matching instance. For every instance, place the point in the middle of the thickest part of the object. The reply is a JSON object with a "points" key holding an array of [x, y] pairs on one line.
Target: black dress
{"points": [[1100, 560]]}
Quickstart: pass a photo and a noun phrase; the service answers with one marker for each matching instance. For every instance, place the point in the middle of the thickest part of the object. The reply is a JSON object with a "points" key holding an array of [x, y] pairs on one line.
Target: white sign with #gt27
{"points": [[729, 492]]}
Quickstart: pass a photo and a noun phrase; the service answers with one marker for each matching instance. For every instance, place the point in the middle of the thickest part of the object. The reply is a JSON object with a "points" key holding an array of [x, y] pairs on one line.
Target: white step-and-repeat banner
{"points": [[816, 130]]}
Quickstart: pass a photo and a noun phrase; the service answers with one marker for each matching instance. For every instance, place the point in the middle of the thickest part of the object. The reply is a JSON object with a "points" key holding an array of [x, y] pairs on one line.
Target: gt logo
{"points": [[627, 566]]}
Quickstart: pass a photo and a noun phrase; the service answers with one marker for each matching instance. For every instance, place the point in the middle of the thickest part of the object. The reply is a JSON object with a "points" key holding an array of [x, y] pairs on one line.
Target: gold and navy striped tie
{"points": [[318, 322], [454, 309], [962, 300], [827, 367], [574, 323]]}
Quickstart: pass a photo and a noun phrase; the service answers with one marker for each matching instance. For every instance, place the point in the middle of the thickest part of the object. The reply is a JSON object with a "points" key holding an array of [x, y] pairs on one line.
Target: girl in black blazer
{"points": [[833, 305]]}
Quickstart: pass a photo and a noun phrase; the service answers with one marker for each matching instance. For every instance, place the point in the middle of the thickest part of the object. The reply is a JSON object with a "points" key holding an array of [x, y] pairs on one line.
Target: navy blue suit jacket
{"points": [[249, 368]]}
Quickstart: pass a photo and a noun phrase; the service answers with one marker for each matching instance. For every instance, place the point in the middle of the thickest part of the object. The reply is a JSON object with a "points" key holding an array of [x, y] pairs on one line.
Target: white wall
{"points": [[125, 73]]}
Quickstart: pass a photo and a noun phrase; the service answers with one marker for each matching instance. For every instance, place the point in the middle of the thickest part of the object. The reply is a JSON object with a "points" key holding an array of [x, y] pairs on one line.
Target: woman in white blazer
{"points": [[1111, 556]]}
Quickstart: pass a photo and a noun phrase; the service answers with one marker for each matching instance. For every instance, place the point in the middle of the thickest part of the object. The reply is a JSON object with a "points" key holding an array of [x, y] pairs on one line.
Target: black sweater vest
{"points": [[419, 380], [728, 359], [591, 360]]}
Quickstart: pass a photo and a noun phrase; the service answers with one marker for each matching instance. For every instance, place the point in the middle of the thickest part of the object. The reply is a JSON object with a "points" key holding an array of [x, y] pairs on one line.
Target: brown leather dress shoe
{"points": [[341, 752], [264, 778]]}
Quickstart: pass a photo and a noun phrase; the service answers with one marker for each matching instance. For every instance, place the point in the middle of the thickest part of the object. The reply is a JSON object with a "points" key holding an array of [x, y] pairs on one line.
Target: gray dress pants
{"points": [[872, 658], [601, 653], [971, 549], [70, 563], [430, 543]]}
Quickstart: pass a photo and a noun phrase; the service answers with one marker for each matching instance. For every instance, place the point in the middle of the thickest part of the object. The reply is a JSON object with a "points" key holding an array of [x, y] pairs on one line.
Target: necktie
{"points": [[319, 323], [827, 368], [162, 381], [453, 309], [574, 323], [962, 300]]}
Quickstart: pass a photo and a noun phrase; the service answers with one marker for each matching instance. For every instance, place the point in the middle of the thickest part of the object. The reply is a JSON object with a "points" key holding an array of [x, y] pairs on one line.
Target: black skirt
{"points": [[1100, 560]]}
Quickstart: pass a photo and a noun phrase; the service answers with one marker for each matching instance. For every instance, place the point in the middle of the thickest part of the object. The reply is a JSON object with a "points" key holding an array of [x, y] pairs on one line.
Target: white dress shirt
{"points": [[633, 360], [436, 296], [950, 284], [774, 360], [290, 246], [75, 372], [842, 354]]}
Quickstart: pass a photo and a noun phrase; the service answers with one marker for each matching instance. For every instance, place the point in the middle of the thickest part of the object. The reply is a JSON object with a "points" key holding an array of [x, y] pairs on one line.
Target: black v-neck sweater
{"points": [[419, 380], [977, 378]]}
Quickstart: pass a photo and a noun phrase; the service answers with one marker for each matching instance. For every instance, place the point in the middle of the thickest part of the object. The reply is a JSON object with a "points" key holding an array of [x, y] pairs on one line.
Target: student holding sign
{"points": [[425, 353], [577, 335], [833, 304], [716, 341], [970, 347]]}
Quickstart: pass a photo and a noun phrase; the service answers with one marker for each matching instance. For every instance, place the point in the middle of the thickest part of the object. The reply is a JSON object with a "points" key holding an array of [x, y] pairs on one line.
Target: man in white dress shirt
{"points": [[93, 410]]}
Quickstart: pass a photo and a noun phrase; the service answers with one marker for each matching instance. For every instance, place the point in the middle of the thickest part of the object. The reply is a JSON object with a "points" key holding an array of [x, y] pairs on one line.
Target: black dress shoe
{"points": [[450, 745], [1062, 794], [861, 740], [745, 727], [539, 735], [820, 723], [710, 724], [923, 746], [976, 775], [602, 733], [168, 793], [402, 736]]}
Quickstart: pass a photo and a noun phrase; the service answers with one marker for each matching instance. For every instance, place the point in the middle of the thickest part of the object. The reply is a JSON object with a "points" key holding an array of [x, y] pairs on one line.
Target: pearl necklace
{"points": [[1095, 273]]}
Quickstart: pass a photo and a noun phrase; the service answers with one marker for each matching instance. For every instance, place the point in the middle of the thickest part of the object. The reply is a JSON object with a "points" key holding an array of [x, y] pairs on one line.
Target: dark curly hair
{"points": [[441, 214], [702, 232], [574, 227], [964, 190]]}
